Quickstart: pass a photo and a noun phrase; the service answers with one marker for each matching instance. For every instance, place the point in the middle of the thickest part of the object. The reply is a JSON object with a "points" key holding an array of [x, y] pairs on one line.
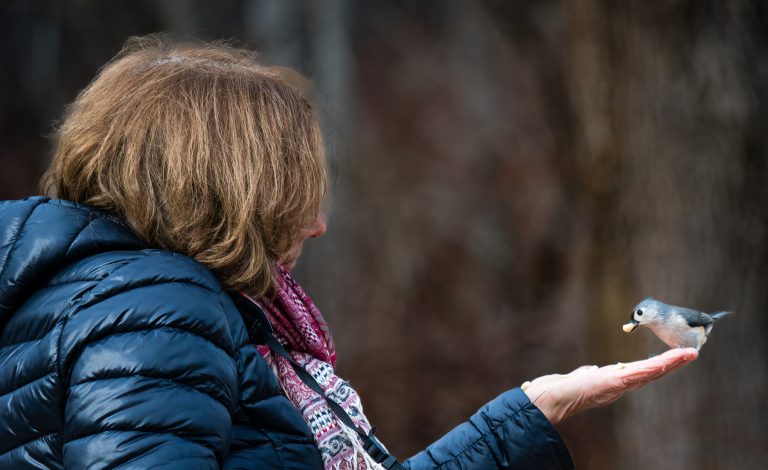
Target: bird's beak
{"points": [[630, 327]]}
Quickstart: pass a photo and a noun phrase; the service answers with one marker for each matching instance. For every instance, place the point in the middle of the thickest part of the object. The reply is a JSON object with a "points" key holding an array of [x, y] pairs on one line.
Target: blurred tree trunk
{"points": [[673, 165]]}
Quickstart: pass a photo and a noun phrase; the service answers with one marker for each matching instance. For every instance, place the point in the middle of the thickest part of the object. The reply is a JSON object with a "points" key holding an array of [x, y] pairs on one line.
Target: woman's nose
{"points": [[319, 228]]}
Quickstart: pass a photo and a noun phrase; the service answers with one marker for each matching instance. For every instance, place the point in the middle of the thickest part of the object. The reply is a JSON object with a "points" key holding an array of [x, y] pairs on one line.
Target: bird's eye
{"points": [[639, 313]]}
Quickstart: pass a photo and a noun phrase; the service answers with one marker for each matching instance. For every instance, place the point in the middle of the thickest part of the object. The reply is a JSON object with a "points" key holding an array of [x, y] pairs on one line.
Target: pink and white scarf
{"points": [[300, 327]]}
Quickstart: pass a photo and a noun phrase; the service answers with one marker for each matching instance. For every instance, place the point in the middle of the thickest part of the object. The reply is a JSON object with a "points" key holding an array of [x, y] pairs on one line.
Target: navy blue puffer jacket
{"points": [[116, 355]]}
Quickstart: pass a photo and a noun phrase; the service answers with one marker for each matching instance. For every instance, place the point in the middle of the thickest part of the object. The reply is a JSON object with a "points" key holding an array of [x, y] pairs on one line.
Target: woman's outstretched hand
{"points": [[560, 396]]}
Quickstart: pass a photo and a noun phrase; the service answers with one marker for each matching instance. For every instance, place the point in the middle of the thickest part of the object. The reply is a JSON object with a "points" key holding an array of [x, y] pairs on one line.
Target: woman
{"points": [[187, 174]]}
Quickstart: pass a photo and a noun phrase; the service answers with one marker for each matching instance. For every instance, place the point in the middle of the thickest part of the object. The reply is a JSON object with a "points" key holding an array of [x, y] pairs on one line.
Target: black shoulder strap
{"points": [[260, 332]]}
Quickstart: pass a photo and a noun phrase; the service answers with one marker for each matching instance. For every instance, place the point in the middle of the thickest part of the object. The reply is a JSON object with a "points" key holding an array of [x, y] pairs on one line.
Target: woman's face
{"points": [[288, 260]]}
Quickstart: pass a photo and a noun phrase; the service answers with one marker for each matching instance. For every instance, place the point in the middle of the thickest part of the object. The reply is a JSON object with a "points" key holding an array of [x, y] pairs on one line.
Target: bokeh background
{"points": [[510, 178]]}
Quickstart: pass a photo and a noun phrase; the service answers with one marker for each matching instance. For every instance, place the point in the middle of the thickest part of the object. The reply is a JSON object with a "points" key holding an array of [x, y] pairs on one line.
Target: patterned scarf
{"points": [[300, 327]]}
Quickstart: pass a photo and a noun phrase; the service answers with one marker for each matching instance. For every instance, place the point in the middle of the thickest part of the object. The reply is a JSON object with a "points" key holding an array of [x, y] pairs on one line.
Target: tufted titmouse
{"points": [[677, 326]]}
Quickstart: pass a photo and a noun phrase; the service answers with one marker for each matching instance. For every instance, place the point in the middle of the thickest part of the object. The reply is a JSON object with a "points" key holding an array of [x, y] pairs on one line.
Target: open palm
{"points": [[560, 396]]}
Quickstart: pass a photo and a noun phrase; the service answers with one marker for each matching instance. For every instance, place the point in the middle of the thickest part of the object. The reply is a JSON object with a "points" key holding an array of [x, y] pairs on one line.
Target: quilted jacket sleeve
{"points": [[508, 432], [152, 377]]}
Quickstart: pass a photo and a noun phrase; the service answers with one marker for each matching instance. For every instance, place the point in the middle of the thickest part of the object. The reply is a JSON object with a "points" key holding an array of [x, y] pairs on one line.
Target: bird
{"points": [[678, 327]]}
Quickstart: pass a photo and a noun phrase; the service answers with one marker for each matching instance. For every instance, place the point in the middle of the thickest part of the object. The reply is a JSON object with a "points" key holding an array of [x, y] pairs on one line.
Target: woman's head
{"points": [[202, 150]]}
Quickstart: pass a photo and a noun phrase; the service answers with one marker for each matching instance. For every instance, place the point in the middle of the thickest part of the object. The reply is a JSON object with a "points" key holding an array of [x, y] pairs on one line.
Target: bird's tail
{"points": [[719, 315]]}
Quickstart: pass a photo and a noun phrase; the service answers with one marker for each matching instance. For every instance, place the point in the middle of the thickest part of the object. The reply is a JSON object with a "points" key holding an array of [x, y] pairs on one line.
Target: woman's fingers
{"points": [[670, 360], [638, 373]]}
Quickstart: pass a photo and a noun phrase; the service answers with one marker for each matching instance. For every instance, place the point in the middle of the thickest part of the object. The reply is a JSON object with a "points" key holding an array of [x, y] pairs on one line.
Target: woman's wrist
{"points": [[549, 404]]}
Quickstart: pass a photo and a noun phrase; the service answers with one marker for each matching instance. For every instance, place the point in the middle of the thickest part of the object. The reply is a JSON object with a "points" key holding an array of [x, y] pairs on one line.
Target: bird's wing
{"points": [[694, 317]]}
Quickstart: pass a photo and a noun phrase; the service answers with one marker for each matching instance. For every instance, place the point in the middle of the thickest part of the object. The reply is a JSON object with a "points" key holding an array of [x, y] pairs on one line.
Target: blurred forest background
{"points": [[510, 178]]}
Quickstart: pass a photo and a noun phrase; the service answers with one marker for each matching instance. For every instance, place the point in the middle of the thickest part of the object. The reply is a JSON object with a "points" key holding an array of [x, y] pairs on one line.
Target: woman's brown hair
{"points": [[202, 150]]}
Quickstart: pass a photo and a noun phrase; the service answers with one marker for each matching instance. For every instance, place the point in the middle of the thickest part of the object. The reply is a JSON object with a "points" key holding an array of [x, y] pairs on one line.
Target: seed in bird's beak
{"points": [[629, 327]]}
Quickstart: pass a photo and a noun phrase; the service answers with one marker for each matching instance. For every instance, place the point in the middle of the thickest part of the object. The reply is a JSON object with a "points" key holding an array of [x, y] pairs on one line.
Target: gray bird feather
{"points": [[693, 317]]}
